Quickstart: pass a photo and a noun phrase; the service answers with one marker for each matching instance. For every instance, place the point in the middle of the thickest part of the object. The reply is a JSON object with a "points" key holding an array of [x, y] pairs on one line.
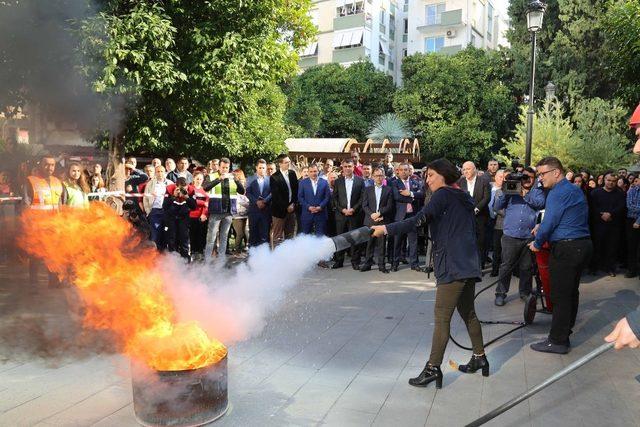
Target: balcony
{"points": [[451, 50], [450, 18], [307, 62], [351, 54], [349, 21]]}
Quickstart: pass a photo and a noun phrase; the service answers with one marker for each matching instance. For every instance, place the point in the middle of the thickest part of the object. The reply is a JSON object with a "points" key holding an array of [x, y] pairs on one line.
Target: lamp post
{"points": [[550, 90], [535, 14]]}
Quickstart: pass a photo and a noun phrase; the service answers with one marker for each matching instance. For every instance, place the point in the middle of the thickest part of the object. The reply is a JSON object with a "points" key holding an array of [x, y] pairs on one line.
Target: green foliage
{"points": [[600, 130], [595, 140], [457, 105], [201, 74], [622, 29], [552, 135], [330, 101], [390, 126]]}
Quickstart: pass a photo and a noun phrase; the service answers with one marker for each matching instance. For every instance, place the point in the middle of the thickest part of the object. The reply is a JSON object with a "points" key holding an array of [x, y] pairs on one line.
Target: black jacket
{"points": [[481, 194], [386, 205], [280, 193], [339, 197], [453, 230], [175, 209]]}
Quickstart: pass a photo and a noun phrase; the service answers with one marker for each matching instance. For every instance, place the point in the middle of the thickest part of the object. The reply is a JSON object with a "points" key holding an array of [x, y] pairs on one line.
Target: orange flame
{"points": [[119, 284]]}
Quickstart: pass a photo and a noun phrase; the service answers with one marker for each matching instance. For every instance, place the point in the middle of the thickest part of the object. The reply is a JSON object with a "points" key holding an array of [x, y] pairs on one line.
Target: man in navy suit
{"points": [[409, 197], [314, 196], [259, 195]]}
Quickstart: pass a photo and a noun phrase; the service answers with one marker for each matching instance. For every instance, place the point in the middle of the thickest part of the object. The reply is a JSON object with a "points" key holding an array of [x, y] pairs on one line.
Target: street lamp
{"points": [[535, 14], [550, 90]]}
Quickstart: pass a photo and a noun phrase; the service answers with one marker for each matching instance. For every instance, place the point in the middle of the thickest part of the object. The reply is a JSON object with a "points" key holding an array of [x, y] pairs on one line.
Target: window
{"points": [[404, 53], [434, 13], [391, 66], [349, 7], [406, 26], [383, 16], [473, 40], [433, 44], [489, 22]]}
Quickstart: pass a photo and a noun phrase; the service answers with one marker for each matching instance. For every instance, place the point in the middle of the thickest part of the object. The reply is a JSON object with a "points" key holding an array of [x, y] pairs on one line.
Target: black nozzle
{"points": [[351, 238]]}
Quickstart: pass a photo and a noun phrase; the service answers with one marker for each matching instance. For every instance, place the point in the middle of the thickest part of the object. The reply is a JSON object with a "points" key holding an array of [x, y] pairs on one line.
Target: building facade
{"points": [[385, 31], [356, 30], [448, 26]]}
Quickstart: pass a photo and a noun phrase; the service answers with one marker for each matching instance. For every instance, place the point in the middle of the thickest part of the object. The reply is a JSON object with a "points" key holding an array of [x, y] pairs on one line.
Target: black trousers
{"points": [[606, 244], [497, 251], [412, 240], [568, 259], [633, 241], [342, 226], [375, 248], [481, 234], [177, 235], [197, 235], [515, 254]]}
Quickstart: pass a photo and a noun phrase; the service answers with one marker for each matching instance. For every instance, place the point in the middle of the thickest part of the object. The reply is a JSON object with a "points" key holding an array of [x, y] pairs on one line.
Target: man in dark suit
{"points": [[259, 212], [314, 197], [377, 205], [480, 190], [408, 194], [347, 203], [284, 197]]}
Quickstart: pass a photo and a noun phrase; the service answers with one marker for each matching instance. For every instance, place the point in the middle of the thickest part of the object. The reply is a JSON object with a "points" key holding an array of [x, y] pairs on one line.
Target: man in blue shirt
{"points": [[565, 226], [520, 213]]}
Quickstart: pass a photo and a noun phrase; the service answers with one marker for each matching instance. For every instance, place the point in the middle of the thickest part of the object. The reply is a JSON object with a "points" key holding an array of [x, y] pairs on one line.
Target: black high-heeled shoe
{"points": [[429, 374], [476, 362]]}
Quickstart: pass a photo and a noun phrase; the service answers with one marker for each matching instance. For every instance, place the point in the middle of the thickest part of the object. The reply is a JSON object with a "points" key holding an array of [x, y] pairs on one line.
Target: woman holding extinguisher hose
{"points": [[450, 215]]}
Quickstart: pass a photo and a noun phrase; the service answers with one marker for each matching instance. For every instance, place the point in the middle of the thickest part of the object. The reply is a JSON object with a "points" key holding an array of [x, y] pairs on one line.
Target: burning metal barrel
{"points": [[351, 238], [179, 398]]}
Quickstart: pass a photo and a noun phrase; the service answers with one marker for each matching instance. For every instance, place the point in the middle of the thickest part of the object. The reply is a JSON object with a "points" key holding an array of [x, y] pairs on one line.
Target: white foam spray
{"points": [[232, 305]]}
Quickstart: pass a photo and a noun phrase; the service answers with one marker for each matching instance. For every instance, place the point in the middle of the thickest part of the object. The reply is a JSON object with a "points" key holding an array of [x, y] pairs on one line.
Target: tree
{"points": [[330, 101], [600, 132], [622, 29], [220, 59], [390, 126], [553, 135], [593, 140], [457, 105]]}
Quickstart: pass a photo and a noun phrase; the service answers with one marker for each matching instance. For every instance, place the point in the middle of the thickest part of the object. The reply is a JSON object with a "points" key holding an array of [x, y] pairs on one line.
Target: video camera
{"points": [[513, 181]]}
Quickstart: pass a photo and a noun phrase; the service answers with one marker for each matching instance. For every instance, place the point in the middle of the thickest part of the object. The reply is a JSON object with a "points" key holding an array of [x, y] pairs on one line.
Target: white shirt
{"points": [[159, 191], [378, 191], [348, 185], [471, 185], [314, 185], [261, 184], [285, 174]]}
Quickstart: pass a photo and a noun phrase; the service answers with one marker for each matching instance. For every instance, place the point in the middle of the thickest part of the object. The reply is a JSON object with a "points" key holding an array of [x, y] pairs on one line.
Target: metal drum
{"points": [[179, 398]]}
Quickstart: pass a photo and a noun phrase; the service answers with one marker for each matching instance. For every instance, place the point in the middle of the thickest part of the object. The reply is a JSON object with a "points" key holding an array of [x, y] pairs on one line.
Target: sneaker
{"points": [[547, 346]]}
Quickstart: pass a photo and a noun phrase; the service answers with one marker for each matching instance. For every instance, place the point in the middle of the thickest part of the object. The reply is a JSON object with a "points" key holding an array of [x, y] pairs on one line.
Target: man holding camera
{"points": [[521, 201]]}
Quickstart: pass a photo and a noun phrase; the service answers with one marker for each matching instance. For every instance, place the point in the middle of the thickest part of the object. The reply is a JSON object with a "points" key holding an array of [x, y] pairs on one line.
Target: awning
{"points": [[348, 38], [310, 50], [340, 3], [316, 145], [384, 49]]}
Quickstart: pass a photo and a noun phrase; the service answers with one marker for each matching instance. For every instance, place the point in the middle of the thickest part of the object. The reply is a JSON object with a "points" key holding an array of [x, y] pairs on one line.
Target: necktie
{"points": [[409, 206]]}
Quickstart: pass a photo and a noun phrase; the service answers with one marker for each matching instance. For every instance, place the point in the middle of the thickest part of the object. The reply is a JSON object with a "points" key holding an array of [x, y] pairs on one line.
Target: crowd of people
{"points": [[198, 210]]}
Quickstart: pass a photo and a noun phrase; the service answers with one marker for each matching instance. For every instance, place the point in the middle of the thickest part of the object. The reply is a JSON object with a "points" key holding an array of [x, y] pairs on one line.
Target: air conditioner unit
{"points": [[451, 33]]}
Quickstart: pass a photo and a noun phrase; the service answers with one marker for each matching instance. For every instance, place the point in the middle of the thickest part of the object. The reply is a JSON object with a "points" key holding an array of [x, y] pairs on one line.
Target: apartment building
{"points": [[447, 26], [355, 30], [385, 31]]}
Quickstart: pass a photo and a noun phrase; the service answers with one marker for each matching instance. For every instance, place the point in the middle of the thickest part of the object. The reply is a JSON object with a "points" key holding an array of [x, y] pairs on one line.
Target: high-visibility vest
{"points": [[76, 198], [46, 194], [215, 196]]}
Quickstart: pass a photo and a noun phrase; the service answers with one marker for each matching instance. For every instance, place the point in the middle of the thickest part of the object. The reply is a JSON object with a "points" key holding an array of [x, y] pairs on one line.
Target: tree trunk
{"points": [[115, 171]]}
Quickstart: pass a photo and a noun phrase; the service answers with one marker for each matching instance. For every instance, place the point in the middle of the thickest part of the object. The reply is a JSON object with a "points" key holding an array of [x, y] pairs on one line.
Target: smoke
{"points": [[232, 305], [39, 59]]}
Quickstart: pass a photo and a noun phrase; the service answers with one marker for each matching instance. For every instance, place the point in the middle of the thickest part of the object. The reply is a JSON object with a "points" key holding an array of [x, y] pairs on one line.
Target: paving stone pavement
{"points": [[338, 352]]}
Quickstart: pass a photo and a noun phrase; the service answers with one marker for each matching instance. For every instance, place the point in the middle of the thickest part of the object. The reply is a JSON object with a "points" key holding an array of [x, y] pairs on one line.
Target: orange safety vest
{"points": [[46, 194]]}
